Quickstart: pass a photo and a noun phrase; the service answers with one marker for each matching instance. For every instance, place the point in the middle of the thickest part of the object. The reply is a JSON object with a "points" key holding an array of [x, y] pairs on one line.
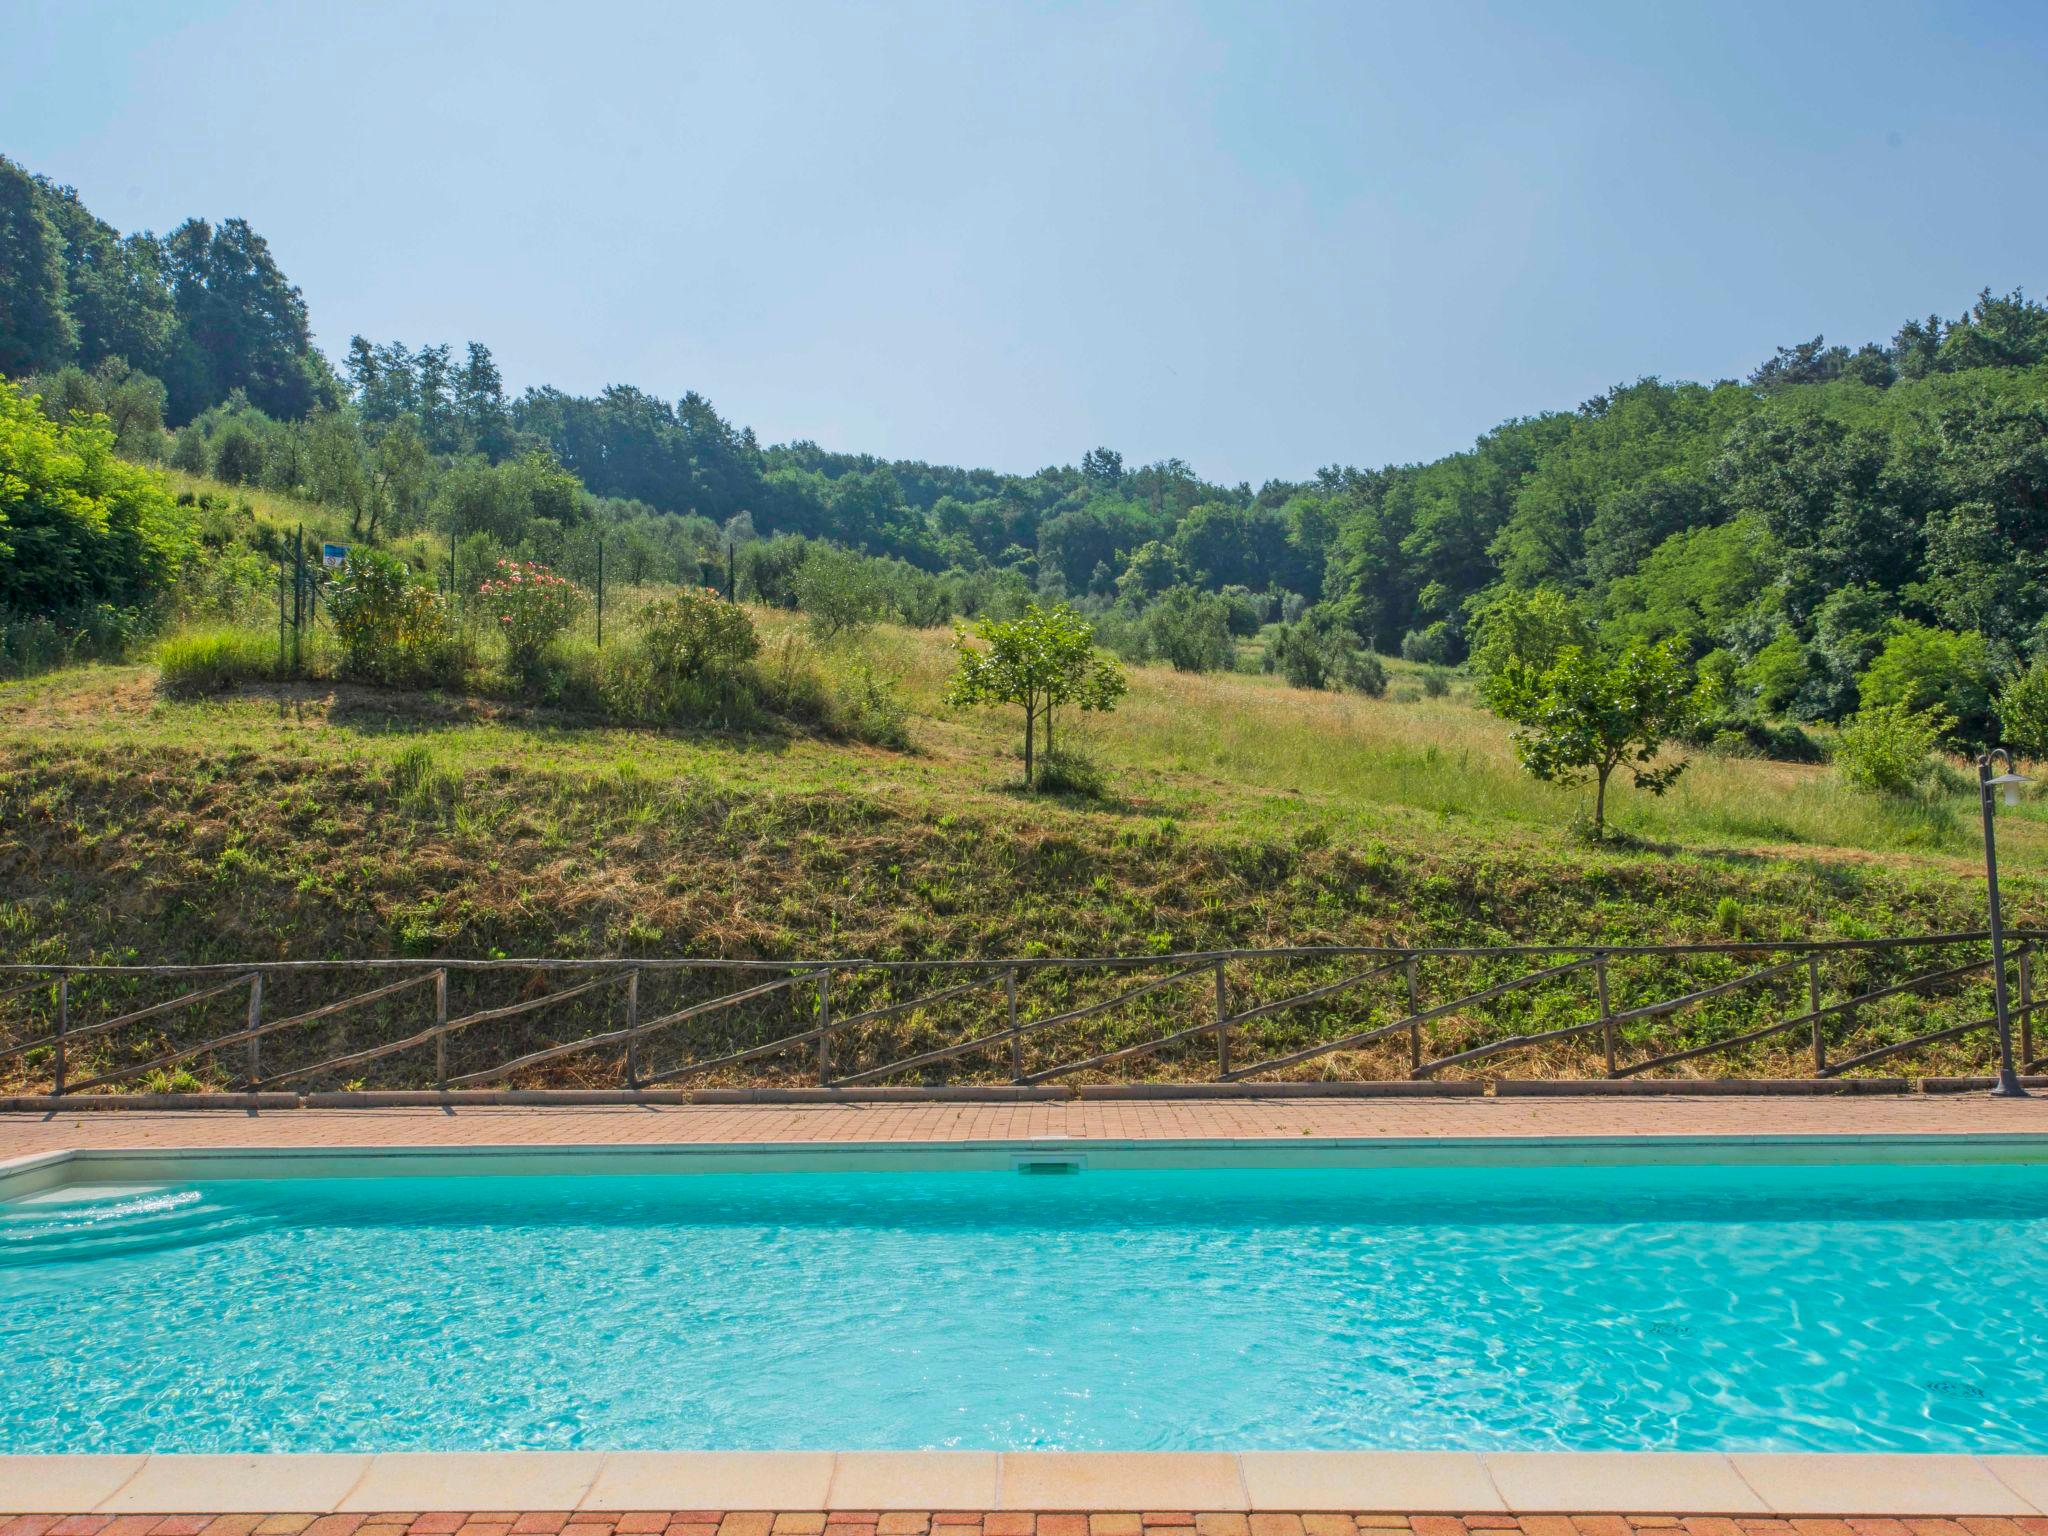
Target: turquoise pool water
{"points": [[1841, 1308]]}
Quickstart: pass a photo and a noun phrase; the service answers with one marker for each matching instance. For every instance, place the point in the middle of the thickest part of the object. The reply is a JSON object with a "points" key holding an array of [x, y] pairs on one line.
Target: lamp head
{"points": [[2007, 781]]}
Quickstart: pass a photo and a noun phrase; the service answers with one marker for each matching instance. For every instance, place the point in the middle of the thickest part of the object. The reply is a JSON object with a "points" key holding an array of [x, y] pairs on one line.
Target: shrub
{"points": [[1436, 682], [1314, 653], [682, 664], [1190, 630], [1744, 736], [1359, 670], [201, 661], [1888, 749], [238, 455], [391, 629], [697, 632], [188, 452], [1432, 645], [78, 526], [532, 605], [37, 642], [1063, 771], [872, 712]]}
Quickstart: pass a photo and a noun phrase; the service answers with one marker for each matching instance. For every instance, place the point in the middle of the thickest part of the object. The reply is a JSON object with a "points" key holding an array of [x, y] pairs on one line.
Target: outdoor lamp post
{"points": [[2008, 1084]]}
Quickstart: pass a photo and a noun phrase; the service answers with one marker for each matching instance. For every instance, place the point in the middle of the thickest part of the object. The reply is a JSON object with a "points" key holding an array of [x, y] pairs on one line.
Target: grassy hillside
{"points": [[317, 820]]}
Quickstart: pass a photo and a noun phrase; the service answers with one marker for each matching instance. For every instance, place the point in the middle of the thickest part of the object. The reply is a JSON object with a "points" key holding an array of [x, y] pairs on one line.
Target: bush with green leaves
{"points": [[1316, 653], [697, 632], [683, 662], [1433, 645], [391, 629], [1890, 750], [1189, 630], [1063, 771], [1739, 735], [1436, 682], [78, 526]]}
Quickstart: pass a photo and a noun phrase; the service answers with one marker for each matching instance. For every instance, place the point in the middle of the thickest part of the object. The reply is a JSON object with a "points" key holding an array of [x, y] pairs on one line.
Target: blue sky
{"points": [[1262, 237]]}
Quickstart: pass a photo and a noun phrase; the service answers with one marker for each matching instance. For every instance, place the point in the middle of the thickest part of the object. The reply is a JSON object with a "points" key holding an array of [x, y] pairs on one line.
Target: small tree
{"points": [[841, 591], [1584, 715], [1041, 660]]}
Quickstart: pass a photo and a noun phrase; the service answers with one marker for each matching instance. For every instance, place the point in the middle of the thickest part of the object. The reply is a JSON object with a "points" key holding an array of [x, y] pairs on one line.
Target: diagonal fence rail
{"points": [[1818, 1009]]}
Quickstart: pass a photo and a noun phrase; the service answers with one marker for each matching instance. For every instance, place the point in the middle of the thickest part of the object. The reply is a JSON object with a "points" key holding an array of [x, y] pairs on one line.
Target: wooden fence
{"points": [[1818, 1009]]}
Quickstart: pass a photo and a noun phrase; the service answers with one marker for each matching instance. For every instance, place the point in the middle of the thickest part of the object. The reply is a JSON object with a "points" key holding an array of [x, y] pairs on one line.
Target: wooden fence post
{"points": [[1820, 1040], [1016, 1037], [1607, 1030], [63, 1027], [2026, 1004], [255, 1022], [1222, 1025], [441, 1030], [632, 1013], [1414, 1007], [824, 1028]]}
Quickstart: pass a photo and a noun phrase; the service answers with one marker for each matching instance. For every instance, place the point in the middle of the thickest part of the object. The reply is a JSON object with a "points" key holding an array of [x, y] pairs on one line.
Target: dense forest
{"points": [[1837, 509]]}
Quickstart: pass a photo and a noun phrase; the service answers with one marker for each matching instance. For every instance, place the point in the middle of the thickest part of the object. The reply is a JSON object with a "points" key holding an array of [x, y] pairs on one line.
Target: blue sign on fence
{"points": [[332, 555]]}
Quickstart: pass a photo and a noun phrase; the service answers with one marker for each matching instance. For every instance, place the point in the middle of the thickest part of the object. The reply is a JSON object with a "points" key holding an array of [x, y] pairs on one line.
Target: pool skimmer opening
{"points": [[1050, 1163]]}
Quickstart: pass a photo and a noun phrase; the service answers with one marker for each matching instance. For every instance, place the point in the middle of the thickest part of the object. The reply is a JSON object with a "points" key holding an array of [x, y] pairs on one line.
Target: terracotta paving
{"points": [[700, 1522], [1138, 1119]]}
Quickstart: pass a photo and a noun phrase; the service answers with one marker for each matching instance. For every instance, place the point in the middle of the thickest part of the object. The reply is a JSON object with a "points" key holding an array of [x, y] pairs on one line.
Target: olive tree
{"points": [[1041, 660]]}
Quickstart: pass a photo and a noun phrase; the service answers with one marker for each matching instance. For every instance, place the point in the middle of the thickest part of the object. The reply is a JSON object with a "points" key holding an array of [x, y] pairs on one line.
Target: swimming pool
{"points": [[1526, 1303]]}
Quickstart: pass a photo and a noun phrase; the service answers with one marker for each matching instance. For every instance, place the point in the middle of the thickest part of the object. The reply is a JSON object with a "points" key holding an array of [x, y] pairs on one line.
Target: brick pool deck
{"points": [[1971, 1114], [1022, 1494]]}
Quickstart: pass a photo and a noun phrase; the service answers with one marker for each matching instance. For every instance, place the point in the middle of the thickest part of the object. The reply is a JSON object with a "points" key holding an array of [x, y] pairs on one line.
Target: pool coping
{"points": [[34, 1172], [1708, 1483], [1780, 1484]]}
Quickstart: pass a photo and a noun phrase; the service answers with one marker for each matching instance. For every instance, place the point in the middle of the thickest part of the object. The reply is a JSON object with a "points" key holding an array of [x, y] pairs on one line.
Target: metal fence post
{"points": [[632, 1021], [1222, 1025], [1414, 1007], [441, 1030], [63, 1027], [255, 1021], [1016, 1039], [1820, 1042], [1607, 1030], [824, 1028]]}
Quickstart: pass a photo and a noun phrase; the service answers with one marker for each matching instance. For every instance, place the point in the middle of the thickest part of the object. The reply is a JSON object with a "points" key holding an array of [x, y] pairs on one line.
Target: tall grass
{"points": [[214, 659]]}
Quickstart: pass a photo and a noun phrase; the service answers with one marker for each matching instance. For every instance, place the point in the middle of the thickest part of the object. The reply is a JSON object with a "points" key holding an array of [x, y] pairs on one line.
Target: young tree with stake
{"points": [[1039, 661]]}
